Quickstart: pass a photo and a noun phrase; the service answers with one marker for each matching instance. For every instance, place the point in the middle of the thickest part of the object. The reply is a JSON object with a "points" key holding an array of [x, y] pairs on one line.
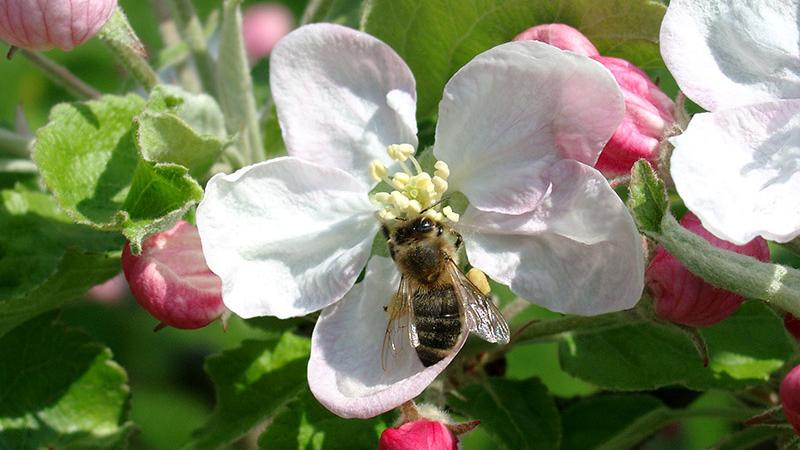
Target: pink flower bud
{"points": [[792, 325], [422, 434], [42, 25], [648, 113], [263, 26], [790, 397], [171, 280], [684, 298], [112, 291], [560, 35]]}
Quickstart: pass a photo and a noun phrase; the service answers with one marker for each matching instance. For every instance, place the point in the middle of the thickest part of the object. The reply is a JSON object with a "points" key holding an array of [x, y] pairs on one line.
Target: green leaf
{"points": [[307, 425], [45, 259], [647, 198], [512, 411], [749, 438], [88, 157], [253, 382], [588, 424], [743, 351], [181, 128], [438, 38], [58, 389]]}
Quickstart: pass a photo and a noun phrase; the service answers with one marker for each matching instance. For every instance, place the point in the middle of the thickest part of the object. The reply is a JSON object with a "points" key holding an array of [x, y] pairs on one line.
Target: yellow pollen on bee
{"points": [[415, 192], [478, 278]]}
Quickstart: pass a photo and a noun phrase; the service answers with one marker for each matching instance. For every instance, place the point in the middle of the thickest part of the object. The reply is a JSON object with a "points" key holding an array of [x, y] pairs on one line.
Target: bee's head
{"points": [[420, 227]]}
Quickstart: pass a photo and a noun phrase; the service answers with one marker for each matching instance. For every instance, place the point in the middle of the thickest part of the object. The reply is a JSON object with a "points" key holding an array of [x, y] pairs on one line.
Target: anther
{"points": [[377, 170], [450, 214], [478, 278], [442, 170]]}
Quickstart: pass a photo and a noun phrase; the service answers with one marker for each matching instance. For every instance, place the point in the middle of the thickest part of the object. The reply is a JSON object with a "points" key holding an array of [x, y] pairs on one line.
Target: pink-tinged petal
{"points": [[560, 35], [790, 397], [286, 236], [792, 325], [263, 25], [513, 111], [112, 291], [684, 298], [422, 434], [345, 372], [342, 97], [42, 25], [725, 54], [648, 112], [170, 279], [577, 252], [738, 170]]}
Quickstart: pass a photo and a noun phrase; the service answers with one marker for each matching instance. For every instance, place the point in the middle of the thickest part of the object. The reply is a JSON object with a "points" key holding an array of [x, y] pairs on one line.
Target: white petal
{"points": [[726, 53], [578, 252], [513, 111], [286, 236], [345, 372], [342, 97], [738, 170]]}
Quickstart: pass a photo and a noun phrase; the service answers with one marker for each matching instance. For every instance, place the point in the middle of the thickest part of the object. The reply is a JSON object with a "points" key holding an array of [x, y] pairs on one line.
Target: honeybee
{"points": [[435, 303]]}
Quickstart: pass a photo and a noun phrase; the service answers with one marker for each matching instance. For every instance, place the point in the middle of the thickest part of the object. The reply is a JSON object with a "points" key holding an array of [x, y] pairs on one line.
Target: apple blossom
{"points": [[790, 397], [171, 280], [111, 291], [291, 235], [648, 111], [64, 24], [684, 298], [736, 166], [263, 25]]}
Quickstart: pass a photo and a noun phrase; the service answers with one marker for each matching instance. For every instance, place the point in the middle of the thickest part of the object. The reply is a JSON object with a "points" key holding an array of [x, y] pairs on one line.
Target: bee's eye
{"points": [[424, 226]]}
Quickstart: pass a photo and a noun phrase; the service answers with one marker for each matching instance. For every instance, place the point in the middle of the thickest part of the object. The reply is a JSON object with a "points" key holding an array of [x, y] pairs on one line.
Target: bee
{"points": [[435, 303]]}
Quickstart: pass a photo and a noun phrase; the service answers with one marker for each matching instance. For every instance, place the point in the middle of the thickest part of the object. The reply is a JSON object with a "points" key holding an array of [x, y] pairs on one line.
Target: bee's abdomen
{"points": [[438, 322]]}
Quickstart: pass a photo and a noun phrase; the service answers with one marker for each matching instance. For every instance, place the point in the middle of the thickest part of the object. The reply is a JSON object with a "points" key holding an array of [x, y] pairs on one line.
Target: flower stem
{"points": [[192, 31], [14, 144], [61, 75], [119, 36], [236, 86], [18, 166], [772, 283]]}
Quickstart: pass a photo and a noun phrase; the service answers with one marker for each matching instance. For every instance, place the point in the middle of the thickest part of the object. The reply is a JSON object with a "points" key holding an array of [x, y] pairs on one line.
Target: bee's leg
{"points": [[385, 231]]}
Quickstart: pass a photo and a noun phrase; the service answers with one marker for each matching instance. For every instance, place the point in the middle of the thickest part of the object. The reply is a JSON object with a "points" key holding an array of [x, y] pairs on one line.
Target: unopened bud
{"points": [[263, 25], [560, 35], [170, 279], [792, 325], [684, 298], [64, 24], [790, 397]]}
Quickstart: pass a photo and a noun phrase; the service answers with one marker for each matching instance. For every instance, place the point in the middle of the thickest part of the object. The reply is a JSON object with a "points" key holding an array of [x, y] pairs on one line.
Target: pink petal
{"points": [[560, 35], [422, 434], [171, 280], [263, 25], [790, 397], [42, 25]]}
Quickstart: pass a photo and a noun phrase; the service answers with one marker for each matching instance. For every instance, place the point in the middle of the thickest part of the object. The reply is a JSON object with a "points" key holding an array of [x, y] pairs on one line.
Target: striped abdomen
{"points": [[438, 320]]}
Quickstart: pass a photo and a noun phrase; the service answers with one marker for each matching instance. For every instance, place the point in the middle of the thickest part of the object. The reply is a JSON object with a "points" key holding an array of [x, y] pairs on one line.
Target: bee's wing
{"points": [[483, 317], [401, 330]]}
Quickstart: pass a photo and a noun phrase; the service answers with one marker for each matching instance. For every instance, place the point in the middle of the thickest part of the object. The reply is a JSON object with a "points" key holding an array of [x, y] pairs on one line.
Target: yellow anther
{"points": [[478, 278], [400, 180], [433, 214], [439, 184], [400, 152], [414, 207], [399, 200], [450, 214], [382, 197], [385, 214], [442, 170], [377, 170]]}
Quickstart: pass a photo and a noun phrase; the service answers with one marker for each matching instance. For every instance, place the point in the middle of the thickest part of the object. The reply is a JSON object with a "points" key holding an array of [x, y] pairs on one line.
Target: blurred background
{"points": [[171, 395]]}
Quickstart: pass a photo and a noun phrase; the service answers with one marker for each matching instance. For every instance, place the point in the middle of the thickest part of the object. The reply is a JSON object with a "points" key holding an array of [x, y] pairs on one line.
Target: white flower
{"points": [[738, 166], [517, 126]]}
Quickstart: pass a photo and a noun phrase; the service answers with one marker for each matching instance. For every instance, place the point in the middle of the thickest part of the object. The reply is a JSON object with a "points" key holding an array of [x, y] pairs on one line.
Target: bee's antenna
{"points": [[446, 197]]}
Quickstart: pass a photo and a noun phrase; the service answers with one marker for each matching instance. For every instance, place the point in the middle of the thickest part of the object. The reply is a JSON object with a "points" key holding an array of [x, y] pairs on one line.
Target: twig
{"points": [[61, 75]]}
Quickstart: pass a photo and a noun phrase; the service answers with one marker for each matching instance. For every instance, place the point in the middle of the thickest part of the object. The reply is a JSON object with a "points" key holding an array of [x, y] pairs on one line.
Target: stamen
{"points": [[378, 171], [442, 170], [450, 214], [416, 164], [439, 184]]}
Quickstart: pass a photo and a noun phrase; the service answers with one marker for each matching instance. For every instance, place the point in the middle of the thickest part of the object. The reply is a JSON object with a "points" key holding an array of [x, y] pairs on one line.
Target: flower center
{"points": [[416, 192]]}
